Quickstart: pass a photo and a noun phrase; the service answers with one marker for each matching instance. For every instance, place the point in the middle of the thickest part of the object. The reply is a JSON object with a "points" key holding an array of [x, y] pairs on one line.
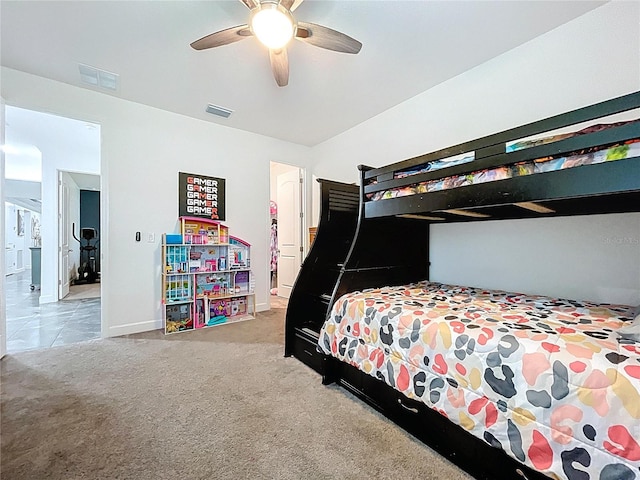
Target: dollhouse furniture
{"points": [[208, 273], [503, 384]]}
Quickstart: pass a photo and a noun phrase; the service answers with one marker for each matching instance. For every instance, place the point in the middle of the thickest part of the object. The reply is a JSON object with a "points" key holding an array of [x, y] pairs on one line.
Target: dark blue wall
{"points": [[90, 217]]}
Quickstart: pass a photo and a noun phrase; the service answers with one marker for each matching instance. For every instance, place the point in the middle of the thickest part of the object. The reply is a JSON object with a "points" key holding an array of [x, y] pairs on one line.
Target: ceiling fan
{"points": [[272, 22]]}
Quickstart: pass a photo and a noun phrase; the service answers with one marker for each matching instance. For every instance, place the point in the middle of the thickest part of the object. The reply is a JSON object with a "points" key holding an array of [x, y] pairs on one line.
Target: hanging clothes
{"points": [[274, 245]]}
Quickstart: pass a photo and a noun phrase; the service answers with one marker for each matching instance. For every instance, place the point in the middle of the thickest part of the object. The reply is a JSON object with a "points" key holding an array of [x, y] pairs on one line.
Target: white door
{"points": [[10, 238], [10, 258], [63, 236], [289, 232]]}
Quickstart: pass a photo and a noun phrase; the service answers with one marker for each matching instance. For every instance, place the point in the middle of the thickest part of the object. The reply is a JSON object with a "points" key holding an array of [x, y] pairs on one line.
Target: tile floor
{"points": [[32, 326]]}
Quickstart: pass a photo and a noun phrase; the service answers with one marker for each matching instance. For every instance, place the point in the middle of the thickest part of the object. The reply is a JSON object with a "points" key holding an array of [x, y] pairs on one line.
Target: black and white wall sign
{"points": [[201, 196]]}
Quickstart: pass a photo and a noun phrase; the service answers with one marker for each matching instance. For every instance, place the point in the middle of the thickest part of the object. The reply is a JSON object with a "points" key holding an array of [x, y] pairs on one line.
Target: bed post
{"points": [[390, 250], [385, 251]]}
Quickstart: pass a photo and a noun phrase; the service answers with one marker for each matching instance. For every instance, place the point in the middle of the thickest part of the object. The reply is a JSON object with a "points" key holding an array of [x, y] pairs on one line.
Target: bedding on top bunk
{"points": [[510, 147], [547, 380], [591, 156], [436, 165], [554, 138]]}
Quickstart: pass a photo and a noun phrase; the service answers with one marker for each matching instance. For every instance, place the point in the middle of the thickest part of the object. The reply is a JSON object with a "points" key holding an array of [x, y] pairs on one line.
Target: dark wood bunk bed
{"points": [[310, 297], [390, 247]]}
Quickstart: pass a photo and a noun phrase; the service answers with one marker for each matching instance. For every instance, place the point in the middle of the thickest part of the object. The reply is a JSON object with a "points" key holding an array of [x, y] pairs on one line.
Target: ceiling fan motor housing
{"points": [[272, 24]]}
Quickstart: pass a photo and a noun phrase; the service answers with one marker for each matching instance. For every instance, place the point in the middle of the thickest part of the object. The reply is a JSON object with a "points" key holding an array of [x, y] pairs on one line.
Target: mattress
{"points": [[547, 380], [590, 156]]}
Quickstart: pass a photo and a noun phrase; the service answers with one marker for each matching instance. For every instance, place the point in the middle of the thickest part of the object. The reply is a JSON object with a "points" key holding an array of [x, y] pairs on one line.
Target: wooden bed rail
{"points": [[487, 144], [606, 187]]}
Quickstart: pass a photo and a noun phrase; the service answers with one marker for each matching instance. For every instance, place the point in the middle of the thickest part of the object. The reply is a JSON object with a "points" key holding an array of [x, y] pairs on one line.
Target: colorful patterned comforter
{"points": [[541, 165], [547, 380], [512, 147]]}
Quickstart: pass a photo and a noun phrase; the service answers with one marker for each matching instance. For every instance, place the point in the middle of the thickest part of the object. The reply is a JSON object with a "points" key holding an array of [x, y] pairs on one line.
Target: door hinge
{"points": [[301, 250], [300, 179], [301, 214]]}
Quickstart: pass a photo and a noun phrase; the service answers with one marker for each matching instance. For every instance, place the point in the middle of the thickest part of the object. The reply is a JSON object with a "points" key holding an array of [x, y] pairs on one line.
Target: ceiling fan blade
{"points": [[223, 37], [280, 66], [251, 4], [290, 5], [325, 37]]}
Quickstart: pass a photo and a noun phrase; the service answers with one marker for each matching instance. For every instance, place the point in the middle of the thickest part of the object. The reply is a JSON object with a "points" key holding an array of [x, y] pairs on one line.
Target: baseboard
{"points": [[138, 327], [261, 307], [47, 299]]}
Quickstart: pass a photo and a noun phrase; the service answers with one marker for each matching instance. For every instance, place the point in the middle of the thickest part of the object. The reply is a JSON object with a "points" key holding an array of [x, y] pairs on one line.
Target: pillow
{"points": [[631, 330]]}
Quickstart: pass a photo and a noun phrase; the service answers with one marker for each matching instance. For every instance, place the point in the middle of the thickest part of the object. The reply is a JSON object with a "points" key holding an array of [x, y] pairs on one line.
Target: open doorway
{"points": [[287, 239], [79, 236], [57, 150]]}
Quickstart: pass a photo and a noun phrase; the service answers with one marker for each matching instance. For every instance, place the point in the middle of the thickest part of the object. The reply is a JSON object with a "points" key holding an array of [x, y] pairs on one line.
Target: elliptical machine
{"points": [[87, 269]]}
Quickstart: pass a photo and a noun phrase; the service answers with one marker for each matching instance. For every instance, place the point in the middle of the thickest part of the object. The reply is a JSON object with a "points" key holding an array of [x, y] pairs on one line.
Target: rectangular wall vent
{"points": [[220, 111], [98, 78]]}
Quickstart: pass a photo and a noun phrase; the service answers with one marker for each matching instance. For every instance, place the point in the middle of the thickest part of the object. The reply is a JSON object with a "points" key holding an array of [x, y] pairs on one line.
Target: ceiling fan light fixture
{"points": [[273, 25]]}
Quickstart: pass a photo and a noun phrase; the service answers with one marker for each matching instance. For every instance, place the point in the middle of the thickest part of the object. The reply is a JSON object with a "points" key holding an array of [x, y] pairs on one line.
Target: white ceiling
{"points": [[32, 137], [408, 47]]}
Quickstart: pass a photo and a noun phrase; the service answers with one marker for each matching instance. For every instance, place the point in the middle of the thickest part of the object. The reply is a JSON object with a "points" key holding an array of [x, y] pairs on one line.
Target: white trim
{"points": [[262, 307], [131, 328], [104, 240], [3, 290], [48, 299]]}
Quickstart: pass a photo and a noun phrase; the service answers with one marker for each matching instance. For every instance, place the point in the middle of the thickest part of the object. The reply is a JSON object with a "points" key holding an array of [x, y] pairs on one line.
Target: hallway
{"points": [[32, 326]]}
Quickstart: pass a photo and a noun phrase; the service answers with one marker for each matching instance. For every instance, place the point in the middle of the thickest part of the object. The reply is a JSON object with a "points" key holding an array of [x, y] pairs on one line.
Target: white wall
{"points": [[583, 258], [22, 189], [142, 151], [590, 59]]}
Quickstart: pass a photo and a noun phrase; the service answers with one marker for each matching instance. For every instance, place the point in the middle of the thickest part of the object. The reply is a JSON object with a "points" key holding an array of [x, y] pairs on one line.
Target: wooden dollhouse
{"points": [[207, 276]]}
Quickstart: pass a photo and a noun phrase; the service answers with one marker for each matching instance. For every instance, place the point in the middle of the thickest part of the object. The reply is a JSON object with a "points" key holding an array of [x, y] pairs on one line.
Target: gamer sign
{"points": [[200, 196]]}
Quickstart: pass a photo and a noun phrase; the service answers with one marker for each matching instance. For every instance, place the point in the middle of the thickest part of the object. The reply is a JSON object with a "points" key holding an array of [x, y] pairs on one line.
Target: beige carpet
{"points": [[278, 302], [220, 403]]}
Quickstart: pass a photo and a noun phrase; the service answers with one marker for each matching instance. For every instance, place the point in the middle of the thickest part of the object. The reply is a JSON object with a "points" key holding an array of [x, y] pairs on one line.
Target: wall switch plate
{"points": [[151, 238]]}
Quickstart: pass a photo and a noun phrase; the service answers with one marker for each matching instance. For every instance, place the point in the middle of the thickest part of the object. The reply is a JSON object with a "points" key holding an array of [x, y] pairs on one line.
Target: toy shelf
{"points": [[201, 272], [229, 295], [206, 278]]}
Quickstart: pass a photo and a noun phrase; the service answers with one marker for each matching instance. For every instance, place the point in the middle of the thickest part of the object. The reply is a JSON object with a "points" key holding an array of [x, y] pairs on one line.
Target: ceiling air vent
{"points": [[220, 111], [98, 78]]}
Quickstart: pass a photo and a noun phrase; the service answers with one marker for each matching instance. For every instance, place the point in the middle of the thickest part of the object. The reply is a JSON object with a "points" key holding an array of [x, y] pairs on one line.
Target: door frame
{"points": [[304, 222], [3, 290], [49, 232], [63, 212], [72, 241]]}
